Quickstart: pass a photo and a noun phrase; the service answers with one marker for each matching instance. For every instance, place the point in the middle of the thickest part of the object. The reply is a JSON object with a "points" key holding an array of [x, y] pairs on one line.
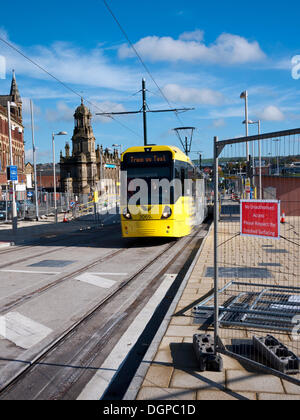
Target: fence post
{"points": [[216, 226]]}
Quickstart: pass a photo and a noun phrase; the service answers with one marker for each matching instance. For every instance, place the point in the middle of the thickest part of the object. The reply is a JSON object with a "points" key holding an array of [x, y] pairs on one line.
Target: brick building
{"points": [[45, 178], [283, 188], [17, 135]]}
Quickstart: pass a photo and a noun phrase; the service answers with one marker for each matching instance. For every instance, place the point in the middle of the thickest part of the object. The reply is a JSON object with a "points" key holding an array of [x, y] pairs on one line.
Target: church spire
{"points": [[14, 91]]}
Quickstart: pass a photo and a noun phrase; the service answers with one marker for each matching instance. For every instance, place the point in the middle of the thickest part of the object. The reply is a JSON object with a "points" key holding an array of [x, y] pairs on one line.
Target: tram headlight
{"points": [[126, 214], [166, 213]]}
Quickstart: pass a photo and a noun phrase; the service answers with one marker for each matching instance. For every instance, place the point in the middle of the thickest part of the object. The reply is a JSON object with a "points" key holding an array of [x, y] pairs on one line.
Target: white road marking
{"points": [[96, 280], [99, 383], [30, 272], [22, 331]]}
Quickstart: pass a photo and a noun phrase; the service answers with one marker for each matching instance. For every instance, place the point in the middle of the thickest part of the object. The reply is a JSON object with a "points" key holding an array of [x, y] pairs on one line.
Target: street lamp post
{"points": [[14, 204], [244, 95], [259, 155], [61, 133]]}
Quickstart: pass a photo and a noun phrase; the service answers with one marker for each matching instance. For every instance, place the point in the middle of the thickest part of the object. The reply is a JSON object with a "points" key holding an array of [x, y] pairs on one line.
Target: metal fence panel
{"points": [[255, 309]]}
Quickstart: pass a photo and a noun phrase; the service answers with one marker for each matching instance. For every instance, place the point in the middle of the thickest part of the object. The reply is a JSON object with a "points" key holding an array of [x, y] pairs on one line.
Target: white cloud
{"points": [[176, 93], [26, 107], [271, 113], [40, 155], [106, 107], [70, 64], [28, 155], [62, 113], [197, 35], [228, 49]]}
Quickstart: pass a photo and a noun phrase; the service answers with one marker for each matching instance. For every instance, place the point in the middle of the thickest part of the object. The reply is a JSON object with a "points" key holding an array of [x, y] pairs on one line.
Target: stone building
{"points": [[29, 171], [17, 135], [83, 168]]}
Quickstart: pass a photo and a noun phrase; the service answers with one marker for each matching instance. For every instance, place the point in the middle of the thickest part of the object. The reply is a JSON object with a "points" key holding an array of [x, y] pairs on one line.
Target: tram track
{"points": [[60, 280], [38, 359], [86, 354]]}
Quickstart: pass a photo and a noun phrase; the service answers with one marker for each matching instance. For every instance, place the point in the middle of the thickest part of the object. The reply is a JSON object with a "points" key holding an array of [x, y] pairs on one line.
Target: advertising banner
{"points": [[260, 218]]}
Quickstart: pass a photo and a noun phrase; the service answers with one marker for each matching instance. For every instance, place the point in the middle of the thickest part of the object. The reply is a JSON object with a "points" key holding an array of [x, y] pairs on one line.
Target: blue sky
{"points": [[201, 54]]}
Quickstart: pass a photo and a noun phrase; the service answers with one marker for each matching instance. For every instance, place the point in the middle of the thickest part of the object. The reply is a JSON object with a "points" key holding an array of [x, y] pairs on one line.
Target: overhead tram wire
{"points": [[62, 83], [141, 60], [144, 110]]}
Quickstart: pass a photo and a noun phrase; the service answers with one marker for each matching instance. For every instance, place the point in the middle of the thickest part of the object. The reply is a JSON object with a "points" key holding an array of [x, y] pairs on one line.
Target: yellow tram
{"points": [[162, 193]]}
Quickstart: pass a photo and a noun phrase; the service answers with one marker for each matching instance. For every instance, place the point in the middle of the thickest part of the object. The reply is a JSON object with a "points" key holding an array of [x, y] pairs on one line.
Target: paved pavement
{"points": [[174, 374]]}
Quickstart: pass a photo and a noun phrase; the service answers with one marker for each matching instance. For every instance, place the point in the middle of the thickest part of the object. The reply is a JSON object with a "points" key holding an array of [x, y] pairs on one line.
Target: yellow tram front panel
{"points": [[157, 163], [151, 224]]}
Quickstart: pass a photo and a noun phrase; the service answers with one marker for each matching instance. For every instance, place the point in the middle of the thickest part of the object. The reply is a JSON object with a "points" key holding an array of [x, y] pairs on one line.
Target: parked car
{"points": [[2, 210], [8, 207]]}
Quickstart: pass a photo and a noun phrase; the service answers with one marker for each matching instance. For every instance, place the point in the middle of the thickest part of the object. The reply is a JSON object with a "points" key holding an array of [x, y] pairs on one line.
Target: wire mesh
{"points": [[258, 277]]}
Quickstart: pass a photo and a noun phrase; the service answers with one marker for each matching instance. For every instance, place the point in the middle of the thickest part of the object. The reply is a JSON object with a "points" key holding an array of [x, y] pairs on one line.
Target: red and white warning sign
{"points": [[260, 218]]}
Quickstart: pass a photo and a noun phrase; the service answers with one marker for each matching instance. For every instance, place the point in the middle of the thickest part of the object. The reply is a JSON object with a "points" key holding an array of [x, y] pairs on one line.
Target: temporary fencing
{"points": [[255, 307]]}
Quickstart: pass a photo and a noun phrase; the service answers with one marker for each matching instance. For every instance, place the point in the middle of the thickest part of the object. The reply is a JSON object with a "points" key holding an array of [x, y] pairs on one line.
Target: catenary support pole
{"points": [[144, 112]]}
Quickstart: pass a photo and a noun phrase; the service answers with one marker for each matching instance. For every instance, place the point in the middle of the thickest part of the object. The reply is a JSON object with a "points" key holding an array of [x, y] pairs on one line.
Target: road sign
{"points": [[260, 218], [29, 194], [12, 173]]}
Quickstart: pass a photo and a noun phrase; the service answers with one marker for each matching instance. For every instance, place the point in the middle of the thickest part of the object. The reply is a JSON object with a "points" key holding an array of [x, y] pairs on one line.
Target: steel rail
{"points": [[60, 280], [85, 318]]}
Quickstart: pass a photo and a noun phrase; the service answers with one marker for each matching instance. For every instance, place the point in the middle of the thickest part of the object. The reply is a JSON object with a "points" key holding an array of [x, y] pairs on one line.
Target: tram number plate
{"points": [[145, 217]]}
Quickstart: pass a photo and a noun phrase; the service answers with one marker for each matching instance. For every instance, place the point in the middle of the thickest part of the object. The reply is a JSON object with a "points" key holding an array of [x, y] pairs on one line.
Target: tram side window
{"points": [[182, 173]]}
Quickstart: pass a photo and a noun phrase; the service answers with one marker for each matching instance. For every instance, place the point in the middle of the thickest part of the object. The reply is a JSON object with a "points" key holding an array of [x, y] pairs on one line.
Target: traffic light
{"points": [[249, 169]]}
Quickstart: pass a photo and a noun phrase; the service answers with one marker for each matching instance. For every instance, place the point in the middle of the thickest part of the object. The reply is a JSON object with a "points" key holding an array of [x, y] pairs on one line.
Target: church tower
{"points": [[82, 169], [83, 137], [79, 169], [16, 98]]}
